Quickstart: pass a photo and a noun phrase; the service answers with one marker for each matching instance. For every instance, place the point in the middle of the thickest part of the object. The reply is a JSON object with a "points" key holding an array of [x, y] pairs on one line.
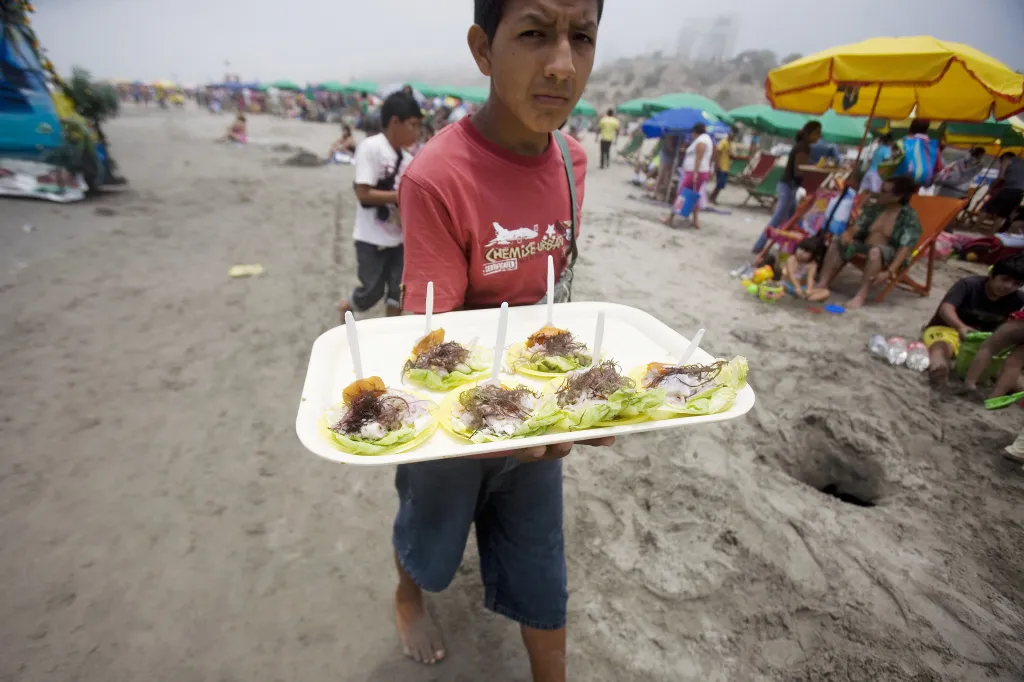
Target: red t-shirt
{"points": [[480, 221]]}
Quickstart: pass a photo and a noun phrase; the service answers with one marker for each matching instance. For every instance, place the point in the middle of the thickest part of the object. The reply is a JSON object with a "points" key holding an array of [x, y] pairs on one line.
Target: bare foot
{"points": [[667, 220], [421, 638], [938, 376], [856, 302]]}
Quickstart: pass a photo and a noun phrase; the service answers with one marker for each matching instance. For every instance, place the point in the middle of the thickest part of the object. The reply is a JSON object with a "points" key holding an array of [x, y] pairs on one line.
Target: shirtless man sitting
{"points": [[885, 233]]}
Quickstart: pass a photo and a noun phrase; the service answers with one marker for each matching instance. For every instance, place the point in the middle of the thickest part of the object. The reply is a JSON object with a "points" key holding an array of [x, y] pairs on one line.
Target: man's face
{"points": [[1001, 285], [541, 57]]}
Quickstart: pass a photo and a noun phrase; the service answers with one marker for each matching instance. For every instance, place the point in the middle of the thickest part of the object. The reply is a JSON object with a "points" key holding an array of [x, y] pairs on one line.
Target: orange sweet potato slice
{"points": [[359, 386], [434, 338]]}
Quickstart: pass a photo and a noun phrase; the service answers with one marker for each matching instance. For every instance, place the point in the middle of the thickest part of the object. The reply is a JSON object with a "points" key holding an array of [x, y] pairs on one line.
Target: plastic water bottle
{"points": [[917, 357], [897, 352], [878, 346]]}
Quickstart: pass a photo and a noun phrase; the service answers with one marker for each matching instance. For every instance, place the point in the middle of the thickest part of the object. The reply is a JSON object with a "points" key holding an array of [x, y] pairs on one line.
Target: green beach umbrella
{"points": [[331, 86], [834, 128], [359, 86], [634, 107], [584, 108], [474, 95], [285, 85]]}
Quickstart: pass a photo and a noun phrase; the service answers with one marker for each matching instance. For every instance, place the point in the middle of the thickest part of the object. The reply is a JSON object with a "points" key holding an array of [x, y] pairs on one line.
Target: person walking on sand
{"points": [[380, 162], [723, 162], [607, 133], [500, 169], [696, 169]]}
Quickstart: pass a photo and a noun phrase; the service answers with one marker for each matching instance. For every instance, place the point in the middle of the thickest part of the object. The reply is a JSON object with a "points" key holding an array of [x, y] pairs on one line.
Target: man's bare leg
{"points": [[871, 270], [546, 649], [421, 638], [1007, 335], [939, 356], [831, 266]]}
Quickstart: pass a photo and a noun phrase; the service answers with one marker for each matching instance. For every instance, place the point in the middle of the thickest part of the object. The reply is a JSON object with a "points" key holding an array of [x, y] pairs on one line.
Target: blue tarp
{"points": [[680, 121], [29, 126]]}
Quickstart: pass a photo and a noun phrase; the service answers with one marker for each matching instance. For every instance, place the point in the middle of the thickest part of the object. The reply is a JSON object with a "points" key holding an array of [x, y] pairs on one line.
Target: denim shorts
{"points": [[517, 509]]}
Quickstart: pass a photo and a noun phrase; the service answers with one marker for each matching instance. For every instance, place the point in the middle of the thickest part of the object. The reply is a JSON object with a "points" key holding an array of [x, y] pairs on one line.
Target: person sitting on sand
{"points": [[975, 303], [236, 131], [801, 268], [345, 145], [885, 233], [1010, 334]]}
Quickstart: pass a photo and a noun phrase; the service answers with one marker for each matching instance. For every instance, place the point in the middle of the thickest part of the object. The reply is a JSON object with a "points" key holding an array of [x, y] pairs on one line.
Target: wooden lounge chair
{"points": [[757, 170], [633, 147], [935, 214], [766, 192], [737, 167]]}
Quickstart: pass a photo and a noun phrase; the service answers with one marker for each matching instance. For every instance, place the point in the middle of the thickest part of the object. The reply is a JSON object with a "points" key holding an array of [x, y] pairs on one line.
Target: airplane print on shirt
{"points": [[509, 247]]}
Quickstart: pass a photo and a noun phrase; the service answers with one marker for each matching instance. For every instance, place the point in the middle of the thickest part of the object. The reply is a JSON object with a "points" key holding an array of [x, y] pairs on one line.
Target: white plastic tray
{"points": [[632, 338]]}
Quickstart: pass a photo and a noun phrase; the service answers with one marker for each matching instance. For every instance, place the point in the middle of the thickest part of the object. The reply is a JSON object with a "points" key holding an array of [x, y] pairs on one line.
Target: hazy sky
{"points": [[189, 40]]}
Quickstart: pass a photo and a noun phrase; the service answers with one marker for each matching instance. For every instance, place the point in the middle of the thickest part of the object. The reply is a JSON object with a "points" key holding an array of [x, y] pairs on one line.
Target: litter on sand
{"points": [[253, 270]]}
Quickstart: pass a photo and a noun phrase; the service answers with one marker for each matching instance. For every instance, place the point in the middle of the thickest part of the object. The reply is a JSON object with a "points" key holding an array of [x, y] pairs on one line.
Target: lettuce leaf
{"points": [[716, 398], [543, 416], [428, 378], [552, 363], [734, 374], [357, 445], [625, 403]]}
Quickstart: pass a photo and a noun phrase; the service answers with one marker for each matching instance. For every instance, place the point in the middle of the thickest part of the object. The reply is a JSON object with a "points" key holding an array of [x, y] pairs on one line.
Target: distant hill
{"points": [[731, 83]]}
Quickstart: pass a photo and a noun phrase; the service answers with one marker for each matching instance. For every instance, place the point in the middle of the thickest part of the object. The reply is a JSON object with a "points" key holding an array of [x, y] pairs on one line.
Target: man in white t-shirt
{"points": [[380, 161], [696, 170]]}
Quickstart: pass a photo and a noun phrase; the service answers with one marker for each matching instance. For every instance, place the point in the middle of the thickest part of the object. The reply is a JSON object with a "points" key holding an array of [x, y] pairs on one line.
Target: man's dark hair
{"points": [[1006, 155], [885, 138], [1011, 266], [487, 14], [904, 188], [978, 152], [611, 112], [698, 129], [919, 126], [399, 105]]}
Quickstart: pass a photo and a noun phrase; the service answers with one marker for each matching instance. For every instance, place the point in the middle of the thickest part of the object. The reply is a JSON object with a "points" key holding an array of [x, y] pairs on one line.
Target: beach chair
{"points": [[737, 167], [766, 192], [633, 147], [935, 214], [757, 170], [813, 181]]}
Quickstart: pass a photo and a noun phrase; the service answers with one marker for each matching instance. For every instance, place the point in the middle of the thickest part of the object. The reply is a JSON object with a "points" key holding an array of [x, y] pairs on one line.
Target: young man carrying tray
{"points": [[483, 206]]}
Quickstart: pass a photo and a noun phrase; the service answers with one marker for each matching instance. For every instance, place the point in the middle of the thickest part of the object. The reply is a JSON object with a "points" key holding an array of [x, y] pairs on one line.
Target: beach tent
{"points": [[634, 107], [29, 125], [688, 100], [834, 128], [681, 121], [584, 108]]}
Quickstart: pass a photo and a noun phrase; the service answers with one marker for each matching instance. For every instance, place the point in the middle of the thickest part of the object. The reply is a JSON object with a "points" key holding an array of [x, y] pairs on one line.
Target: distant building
{"points": [[709, 38]]}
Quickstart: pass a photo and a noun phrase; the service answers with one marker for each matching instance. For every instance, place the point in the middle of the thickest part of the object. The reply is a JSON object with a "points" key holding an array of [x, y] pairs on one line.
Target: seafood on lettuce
{"points": [[696, 389], [549, 352], [441, 365], [602, 396], [490, 412], [374, 420]]}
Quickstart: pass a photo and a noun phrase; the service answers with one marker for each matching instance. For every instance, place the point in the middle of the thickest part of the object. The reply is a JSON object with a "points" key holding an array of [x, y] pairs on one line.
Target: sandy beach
{"points": [[160, 521]]}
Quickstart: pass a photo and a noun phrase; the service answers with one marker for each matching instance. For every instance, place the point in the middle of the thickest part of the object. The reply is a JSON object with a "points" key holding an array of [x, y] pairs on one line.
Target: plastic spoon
{"points": [[551, 291], [430, 305], [598, 338], [499, 344], [353, 344], [685, 355], [1003, 401]]}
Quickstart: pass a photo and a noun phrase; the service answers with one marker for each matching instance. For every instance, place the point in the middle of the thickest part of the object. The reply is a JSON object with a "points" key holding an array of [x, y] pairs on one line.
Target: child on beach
{"points": [[236, 131], [975, 303], [800, 269], [343, 148], [500, 168], [380, 162]]}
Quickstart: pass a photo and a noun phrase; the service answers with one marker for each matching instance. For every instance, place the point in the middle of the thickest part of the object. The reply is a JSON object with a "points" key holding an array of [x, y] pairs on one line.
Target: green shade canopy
{"points": [[688, 100], [425, 90], [469, 94], [359, 86], [331, 86], [634, 107], [584, 108], [834, 128], [284, 85]]}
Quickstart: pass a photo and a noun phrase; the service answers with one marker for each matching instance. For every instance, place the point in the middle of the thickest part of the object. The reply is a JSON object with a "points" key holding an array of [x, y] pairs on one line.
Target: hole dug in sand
{"points": [[841, 473]]}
